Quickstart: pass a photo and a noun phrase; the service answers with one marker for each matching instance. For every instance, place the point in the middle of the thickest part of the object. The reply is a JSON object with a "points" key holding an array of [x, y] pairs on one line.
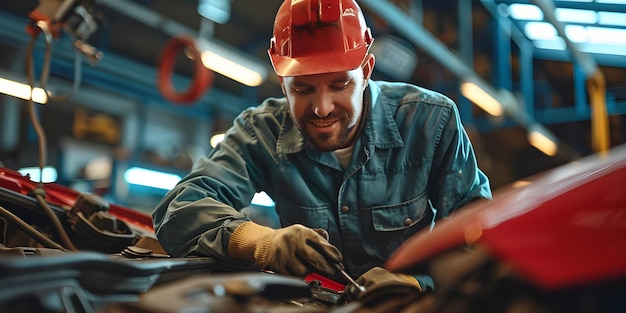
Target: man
{"points": [[354, 166]]}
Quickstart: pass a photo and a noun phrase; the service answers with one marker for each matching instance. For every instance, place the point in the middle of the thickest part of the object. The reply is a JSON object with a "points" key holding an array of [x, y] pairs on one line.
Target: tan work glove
{"points": [[293, 250], [381, 283]]}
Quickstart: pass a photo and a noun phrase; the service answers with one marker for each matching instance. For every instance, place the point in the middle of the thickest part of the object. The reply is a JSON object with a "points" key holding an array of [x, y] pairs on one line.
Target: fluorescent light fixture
{"points": [[48, 175], [231, 69], [605, 35], [22, 91], [590, 39], [576, 16], [611, 1], [525, 12], [611, 18], [231, 64], [220, 57], [482, 98], [149, 178], [542, 140], [540, 31], [603, 49], [557, 44], [576, 33], [262, 199], [596, 35]]}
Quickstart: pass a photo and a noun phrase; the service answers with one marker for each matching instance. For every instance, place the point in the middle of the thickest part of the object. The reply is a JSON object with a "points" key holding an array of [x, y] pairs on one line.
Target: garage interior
{"points": [[556, 68]]}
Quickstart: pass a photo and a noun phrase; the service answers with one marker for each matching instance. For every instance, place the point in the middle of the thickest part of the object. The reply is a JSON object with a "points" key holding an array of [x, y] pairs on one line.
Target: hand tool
{"points": [[345, 275]]}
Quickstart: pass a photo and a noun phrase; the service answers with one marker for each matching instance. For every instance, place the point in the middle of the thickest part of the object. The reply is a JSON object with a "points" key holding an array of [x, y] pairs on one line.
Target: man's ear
{"points": [[368, 66]]}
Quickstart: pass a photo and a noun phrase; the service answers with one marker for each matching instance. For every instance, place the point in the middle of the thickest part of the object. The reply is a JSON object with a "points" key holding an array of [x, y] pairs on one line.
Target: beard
{"points": [[326, 141]]}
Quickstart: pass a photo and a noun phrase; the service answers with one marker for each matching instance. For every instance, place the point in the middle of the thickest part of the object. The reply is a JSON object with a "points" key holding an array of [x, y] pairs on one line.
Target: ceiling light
{"points": [[611, 1], [150, 178], [605, 35], [220, 57], [576, 33], [542, 140], [602, 49], [611, 18], [525, 12], [540, 31], [556, 44], [231, 63], [46, 175], [485, 100], [576, 16], [22, 91]]}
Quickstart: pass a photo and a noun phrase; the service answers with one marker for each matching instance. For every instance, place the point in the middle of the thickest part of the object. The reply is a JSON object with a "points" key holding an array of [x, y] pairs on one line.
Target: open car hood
{"points": [[563, 227]]}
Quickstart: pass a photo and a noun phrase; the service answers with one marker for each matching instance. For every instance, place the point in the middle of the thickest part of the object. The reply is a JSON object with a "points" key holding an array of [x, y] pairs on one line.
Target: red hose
{"points": [[201, 81]]}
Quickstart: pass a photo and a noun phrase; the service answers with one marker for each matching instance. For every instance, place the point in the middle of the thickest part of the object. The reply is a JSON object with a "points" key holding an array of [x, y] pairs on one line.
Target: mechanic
{"points": [[354, 166]]}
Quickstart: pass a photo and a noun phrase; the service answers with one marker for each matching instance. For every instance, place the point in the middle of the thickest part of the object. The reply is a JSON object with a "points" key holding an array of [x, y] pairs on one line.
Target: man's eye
{"points": [[341, 86], [301, 90]]}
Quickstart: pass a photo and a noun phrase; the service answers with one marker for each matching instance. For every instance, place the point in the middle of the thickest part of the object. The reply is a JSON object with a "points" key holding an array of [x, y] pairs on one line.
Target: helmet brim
{"points": [[285, 66]]}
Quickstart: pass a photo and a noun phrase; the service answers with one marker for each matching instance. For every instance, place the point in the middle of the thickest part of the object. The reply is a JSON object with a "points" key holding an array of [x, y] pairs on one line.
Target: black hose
{"points": [[65, 239], [29, 230]]}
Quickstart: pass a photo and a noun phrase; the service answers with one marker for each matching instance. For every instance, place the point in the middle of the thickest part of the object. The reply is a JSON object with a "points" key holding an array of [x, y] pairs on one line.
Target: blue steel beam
{"points": [[117, 74], [420, 37]]}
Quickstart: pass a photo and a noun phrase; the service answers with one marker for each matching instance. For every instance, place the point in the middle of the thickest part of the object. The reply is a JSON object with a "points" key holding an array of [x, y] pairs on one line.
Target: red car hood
{"points": [[63, 196], [561, 228]]}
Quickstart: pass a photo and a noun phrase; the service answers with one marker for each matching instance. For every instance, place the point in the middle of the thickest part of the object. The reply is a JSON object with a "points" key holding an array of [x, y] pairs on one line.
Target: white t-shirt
{"points": [[344, 155]]}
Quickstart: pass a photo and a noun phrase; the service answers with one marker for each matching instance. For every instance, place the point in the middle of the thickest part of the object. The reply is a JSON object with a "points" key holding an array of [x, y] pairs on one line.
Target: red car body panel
{"points": [[65, 197], [565, 227]]}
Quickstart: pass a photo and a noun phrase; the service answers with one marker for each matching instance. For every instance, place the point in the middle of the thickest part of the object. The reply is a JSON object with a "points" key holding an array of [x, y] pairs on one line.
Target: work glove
{"points": [[380, 283], [293, 250]]}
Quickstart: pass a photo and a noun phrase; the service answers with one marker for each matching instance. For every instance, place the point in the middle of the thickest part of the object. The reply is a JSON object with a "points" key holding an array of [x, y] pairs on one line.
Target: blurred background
{"points": [[130, 103]]}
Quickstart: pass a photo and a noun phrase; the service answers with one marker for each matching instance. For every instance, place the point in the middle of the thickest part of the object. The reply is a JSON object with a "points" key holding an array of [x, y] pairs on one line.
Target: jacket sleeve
{"points": [[198, 216], [456, 178]]}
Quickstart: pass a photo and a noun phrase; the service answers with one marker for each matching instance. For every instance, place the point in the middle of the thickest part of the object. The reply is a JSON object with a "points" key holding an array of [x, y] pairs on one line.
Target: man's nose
{"points": [[323, 104]]}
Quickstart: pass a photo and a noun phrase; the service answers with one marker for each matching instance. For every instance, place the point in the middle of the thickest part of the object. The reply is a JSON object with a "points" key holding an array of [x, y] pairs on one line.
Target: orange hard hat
{"points": [[318, 36]]}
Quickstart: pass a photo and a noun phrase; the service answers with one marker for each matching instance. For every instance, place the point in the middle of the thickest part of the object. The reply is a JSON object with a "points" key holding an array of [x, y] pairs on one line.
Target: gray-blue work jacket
{"points": [[412, 165]]}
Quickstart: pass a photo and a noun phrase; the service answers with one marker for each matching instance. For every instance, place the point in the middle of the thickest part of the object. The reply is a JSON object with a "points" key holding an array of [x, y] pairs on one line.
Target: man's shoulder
{"points": [[275, 107], [401, 93]]}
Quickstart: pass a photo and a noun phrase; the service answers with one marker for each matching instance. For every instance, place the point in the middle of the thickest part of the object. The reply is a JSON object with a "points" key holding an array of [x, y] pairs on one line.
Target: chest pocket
{"points": [[292, 213], [399, 216], [393, 224]]}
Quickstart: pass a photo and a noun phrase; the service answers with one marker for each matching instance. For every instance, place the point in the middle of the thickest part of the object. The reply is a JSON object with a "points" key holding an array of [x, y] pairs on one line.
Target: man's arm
{"points": [[456, 178], [198, 216], [201, 217]]}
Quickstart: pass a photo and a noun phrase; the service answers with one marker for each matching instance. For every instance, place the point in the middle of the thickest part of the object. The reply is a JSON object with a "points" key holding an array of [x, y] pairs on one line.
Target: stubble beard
{"points": [[327, 141]]}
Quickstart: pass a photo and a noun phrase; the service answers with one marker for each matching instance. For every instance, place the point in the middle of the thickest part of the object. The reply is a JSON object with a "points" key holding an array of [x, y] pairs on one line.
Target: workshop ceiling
{"points": [[122, 34], [249, 27], [596, 27], [124, 37]]}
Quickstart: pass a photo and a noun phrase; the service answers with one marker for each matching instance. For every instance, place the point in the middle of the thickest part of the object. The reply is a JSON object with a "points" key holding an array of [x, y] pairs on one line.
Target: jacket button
{"points": [[407, 221], [345, 209]]}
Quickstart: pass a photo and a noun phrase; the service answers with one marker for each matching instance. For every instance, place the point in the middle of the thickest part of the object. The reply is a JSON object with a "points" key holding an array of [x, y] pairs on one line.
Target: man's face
{"points": [[326, 107]]}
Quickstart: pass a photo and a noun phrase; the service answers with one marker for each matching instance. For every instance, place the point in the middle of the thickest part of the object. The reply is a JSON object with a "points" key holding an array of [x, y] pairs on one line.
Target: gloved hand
{"points": [[293, 250], [379, 282]]}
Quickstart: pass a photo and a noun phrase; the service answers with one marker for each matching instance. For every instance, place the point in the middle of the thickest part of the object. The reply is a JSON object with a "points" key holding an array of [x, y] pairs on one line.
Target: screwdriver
{"points": [[345, 275]]}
